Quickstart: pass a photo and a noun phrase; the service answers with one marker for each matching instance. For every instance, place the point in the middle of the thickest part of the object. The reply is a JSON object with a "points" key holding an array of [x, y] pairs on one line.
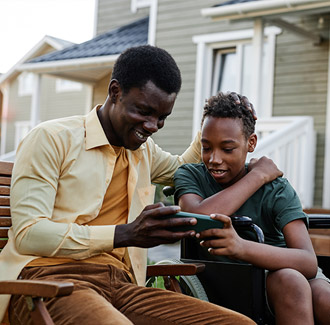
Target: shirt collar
{"points": [[95, 136]]}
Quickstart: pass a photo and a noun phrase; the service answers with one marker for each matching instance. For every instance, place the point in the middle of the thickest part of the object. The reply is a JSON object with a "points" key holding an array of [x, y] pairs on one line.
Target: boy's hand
{"points": [[227, 241], [150, 228], [245, 102], [265, 168]]}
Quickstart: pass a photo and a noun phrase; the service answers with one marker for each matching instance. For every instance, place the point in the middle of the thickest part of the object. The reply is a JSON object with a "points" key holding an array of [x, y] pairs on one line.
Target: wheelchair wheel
{"points": [[190, 285]]}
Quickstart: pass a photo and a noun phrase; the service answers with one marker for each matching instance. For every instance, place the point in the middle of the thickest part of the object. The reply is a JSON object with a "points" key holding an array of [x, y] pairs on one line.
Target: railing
{"points": [[290, 143]]}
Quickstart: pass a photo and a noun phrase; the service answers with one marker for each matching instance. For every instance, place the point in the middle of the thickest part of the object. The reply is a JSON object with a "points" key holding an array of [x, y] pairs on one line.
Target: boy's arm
{"points": [[229, 200], [298, 255]]}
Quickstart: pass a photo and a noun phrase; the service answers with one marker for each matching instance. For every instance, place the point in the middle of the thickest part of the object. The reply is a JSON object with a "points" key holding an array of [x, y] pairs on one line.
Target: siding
{"points": [[300, 87], [115, 13], [52, 105], [177, 23], [300, 71]]}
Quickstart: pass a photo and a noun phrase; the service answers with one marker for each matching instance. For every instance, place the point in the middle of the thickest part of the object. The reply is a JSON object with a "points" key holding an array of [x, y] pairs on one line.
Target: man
{"points": [[81, 205]]}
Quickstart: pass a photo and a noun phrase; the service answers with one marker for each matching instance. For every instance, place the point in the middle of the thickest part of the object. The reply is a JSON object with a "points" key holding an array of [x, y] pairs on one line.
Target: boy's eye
{"points": [[228, 149], [205, 148]]}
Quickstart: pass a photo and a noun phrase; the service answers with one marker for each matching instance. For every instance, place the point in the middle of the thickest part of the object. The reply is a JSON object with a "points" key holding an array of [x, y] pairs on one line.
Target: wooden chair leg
{"points": [[172, 284], [38, 311]]}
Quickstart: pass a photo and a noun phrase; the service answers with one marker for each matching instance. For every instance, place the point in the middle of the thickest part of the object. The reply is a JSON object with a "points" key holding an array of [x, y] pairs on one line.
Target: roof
{"points": [[109, 43], [232, 2], [247, 9], [46, 41]]}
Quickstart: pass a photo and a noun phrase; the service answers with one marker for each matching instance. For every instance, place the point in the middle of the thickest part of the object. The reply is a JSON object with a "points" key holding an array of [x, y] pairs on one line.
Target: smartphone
{"points": [[204, 222]]}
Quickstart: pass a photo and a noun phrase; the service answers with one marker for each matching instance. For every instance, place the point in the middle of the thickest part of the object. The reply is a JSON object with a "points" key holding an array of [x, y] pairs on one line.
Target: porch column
{"points": [[257, 45], [35, 102], [4, 117], [326, 169]]}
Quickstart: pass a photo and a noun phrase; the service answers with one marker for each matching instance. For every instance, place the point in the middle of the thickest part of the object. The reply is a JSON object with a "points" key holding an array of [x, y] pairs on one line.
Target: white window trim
{"points": [[152, 4], [63, 86], [206, 43], [21, 130], [22, 90]]}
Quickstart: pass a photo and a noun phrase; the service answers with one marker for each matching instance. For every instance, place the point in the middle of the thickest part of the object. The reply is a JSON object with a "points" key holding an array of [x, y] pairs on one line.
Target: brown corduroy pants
{"points": [[104, 294]]}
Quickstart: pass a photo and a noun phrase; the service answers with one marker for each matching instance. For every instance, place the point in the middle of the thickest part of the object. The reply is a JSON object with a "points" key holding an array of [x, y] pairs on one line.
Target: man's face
{"points": [[138, 114], [224, 149]]}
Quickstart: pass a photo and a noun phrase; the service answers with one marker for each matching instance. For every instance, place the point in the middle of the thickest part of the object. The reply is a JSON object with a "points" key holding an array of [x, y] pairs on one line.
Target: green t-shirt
{"points": [[272, 207]]}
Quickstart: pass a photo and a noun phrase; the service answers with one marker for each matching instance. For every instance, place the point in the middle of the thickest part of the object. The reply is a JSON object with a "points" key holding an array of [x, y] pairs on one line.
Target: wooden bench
{"points": [[35, 291]]}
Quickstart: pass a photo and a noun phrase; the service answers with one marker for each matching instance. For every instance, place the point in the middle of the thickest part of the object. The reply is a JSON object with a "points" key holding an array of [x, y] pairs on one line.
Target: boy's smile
{"points": [[224, 148]]}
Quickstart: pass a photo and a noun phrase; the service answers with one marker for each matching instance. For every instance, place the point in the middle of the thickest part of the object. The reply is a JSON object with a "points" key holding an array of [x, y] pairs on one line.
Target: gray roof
{"points": [[232, 2], [109, 43]]}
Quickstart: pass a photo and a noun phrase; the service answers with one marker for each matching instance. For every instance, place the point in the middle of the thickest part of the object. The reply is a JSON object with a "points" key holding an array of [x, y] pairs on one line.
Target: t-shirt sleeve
{"points": [[186, 182], [285, 204]]}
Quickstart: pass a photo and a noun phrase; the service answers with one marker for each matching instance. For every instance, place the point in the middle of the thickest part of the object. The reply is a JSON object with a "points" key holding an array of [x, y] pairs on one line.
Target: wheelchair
{"points": [[234, 285]]}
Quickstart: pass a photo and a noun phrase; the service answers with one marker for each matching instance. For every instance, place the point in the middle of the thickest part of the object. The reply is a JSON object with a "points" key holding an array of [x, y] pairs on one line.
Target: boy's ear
{"points": [[252, 142]]}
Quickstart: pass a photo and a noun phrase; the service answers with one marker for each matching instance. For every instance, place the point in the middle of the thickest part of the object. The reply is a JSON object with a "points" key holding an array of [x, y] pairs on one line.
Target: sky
{"points": [[23, 23]]}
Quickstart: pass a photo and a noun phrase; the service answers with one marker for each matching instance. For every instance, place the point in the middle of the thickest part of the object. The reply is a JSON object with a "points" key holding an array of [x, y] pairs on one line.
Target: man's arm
{"points": [[37, 168], [229, 200]]}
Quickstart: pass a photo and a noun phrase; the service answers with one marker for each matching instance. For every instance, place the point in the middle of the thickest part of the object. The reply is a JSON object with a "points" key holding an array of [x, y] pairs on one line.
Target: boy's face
{"points": [[224, 148]]}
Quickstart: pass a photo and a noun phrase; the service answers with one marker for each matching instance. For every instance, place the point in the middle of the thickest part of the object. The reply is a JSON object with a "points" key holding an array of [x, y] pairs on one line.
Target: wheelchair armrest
{"points": [[319, 221], [46, 289], [174, 269], [168, 190]]}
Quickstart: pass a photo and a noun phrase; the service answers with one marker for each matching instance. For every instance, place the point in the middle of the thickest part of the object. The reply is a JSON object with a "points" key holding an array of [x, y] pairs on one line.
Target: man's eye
{"points": [[162, 118]]}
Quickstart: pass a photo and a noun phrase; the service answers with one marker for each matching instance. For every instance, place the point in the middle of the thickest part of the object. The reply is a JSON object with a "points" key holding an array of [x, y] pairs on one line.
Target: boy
{"points": [[227, 136]]}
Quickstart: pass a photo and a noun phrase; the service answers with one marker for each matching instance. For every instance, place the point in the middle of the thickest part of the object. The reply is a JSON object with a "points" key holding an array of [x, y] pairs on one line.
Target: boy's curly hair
{"points": [[224, 105]]}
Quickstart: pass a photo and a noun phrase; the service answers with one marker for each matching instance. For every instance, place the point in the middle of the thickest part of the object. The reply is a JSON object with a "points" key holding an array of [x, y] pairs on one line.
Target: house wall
{"points": [[300, 87], [101, 91], [115, 13], [52, 105], [177, 23], [300, 69]]}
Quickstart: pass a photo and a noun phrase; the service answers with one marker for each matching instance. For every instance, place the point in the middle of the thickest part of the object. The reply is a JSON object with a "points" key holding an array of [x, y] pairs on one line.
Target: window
{"points": [[232, 70], [226, 62], [22, 128], [63, 85], [26, 83]]}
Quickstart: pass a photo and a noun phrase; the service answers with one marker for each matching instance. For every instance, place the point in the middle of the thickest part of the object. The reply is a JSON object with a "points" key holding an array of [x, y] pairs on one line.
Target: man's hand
{"points": [[245, 102], [266, 168], [224, 241], [150, 228]]}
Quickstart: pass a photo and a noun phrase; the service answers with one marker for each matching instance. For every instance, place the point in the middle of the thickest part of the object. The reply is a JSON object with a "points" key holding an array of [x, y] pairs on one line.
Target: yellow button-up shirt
{"points": [[61, 173]]}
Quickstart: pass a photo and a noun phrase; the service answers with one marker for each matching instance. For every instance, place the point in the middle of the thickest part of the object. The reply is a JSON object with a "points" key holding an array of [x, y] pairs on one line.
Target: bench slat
{"points": [[5, 211], [4, 200], [5, 221], [3, 243], [4, 190], [5, 180], [4, 232]]}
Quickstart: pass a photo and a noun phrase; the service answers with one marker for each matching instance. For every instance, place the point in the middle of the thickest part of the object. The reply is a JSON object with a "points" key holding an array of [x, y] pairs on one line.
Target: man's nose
{"points": [[151, 125]]}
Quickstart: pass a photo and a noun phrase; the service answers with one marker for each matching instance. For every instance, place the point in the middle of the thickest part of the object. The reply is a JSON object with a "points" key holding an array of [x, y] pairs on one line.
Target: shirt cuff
{"points": [[101, 238]]}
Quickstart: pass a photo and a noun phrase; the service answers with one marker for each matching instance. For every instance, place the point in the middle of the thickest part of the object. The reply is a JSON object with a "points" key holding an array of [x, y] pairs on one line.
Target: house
{"points": [[276, 52], [60, 97]]}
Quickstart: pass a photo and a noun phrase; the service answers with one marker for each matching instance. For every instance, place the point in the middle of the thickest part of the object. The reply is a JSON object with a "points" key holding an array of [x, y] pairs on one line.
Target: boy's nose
{"points": [[216, 158]]}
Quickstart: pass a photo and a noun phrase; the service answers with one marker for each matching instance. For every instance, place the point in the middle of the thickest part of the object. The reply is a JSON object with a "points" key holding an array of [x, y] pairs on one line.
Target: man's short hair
{"points": [[138, 65], [224, 105]]}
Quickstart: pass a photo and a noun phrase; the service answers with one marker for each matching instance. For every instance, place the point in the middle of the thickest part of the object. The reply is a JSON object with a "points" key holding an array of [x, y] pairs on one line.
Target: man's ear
{"points": [[114, 90], [252, 142]]}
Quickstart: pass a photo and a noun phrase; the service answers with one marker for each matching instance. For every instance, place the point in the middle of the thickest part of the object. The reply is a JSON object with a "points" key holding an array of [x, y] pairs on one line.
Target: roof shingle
{"points": [[109, 43]]}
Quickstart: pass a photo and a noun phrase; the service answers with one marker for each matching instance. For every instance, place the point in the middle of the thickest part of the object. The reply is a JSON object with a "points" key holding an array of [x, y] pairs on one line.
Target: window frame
{"points": [[206, 45]]}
